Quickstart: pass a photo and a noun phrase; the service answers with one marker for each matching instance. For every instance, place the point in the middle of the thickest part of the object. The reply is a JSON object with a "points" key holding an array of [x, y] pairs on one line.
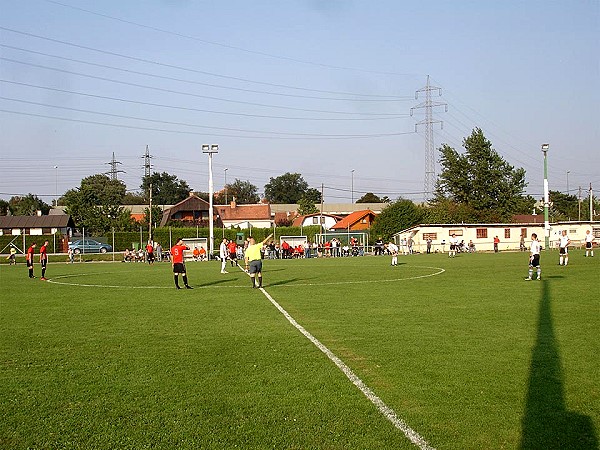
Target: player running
{"points": [[534, 258], [178, 264]]}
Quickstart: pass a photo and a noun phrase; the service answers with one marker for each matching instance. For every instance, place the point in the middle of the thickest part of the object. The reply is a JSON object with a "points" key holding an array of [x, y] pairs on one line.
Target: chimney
{"points": [[232, 203], [39, 213]]}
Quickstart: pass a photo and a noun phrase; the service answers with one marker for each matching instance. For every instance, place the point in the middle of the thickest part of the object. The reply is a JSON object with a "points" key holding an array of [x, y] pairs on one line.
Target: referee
{"points": [[253, 260]]}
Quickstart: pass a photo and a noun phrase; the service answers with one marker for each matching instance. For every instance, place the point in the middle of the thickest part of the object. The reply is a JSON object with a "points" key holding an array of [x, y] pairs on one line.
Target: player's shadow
{"points": [[215, 283], [547, 424], [282, 282]]}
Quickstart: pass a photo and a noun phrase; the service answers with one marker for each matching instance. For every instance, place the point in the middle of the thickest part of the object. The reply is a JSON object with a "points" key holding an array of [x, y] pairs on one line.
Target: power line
{"points": [[183, 108], [201, 134], [162, 77], [219, 44], [172, 91], [121, 116], [187, 69]]}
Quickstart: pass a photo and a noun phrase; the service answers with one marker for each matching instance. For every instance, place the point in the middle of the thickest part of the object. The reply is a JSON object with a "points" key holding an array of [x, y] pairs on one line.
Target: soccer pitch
{"points": [[461, 351]]}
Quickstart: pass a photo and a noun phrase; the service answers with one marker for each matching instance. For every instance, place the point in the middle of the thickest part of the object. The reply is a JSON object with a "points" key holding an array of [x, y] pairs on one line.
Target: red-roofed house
{"points": [[358, 220], [245, 216]]}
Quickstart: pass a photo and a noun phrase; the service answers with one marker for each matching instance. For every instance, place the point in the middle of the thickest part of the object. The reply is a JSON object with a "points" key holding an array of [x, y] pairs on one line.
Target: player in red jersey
{"points": [[44, 259], [178, 264], [232, 249], [29, 259], [150, 253]]}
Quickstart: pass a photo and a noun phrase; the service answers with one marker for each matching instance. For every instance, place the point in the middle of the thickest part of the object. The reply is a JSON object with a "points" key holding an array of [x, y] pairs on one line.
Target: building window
{"points": [[507, 233], [432, 236], [455, 232], [524, 232], [481, 233]]}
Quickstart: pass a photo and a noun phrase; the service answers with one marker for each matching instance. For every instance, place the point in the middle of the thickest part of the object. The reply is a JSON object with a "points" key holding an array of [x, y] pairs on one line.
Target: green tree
{"points": [[245, 193], [3, 207], [135, 198], [480, 179], [448, 211], [290, 188], [306, 206], [166, 189], [369, 197], [395, 217], [28, 205], [96, 205], [564, 207]]}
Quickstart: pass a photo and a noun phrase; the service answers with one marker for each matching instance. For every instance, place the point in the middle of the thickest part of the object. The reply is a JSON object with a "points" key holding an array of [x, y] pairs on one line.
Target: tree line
{"points": [[474, 186]]}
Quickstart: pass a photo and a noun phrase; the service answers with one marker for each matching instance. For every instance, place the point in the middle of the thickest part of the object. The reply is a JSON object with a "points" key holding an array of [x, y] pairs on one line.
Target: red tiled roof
{"points": [[244, 212], [352, 219]]}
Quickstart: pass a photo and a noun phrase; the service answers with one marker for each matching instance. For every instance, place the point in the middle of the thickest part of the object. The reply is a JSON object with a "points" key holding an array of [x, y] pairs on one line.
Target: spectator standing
{"points": [[150, 253], [496, 243]]}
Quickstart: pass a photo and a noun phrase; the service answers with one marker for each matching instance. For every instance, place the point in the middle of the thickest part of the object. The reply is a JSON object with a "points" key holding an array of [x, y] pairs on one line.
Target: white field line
{"points": [[416, 277], [388, 412]]}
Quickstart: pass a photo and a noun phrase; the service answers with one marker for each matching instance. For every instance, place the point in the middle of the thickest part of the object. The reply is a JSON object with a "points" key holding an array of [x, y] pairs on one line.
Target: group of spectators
{"points": [[152, 252]]}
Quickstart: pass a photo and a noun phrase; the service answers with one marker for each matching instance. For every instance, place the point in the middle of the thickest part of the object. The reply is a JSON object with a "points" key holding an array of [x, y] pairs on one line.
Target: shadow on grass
{"points": [[282, 282], [546, 423], [215, 283]]}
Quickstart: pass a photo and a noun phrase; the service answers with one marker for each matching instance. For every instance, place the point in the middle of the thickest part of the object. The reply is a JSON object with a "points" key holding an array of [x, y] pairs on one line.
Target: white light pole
{"points": [[210, 149], [225, 186], [352, 189], [545, 148], [568, 172]]}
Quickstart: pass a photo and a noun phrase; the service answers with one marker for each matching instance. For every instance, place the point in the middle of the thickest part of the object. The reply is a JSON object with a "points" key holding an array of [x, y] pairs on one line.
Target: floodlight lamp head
{"points": [[205, 148], [214, 148], [545, 147]]}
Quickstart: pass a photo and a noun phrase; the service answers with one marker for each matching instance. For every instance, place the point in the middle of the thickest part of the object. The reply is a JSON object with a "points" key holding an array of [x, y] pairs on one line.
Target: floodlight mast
{"points": [[210, 149], [545, 148]]}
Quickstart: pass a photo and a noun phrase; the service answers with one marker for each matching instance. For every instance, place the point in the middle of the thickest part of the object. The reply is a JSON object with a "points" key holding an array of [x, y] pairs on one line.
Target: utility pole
{"points": [[579, 203], [545, 148], [113, 168], [591, 204], [428, 104]]}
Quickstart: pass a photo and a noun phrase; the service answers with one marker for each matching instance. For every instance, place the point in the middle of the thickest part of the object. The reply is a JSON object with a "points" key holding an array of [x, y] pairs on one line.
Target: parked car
{"points": [[89, 246]]}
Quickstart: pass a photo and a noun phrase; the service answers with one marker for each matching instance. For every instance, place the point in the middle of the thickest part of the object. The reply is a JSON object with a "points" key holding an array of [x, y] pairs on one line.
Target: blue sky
{"points": [[315, 87]]}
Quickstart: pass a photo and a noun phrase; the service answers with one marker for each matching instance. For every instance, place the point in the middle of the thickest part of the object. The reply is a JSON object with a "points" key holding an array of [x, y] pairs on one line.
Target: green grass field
{"points": [[463, 350]]}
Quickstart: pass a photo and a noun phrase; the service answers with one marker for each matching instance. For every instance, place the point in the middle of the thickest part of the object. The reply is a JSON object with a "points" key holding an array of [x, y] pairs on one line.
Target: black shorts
{"points": [[452, 247], [255, 266], [535, 261], [178, 268], [588, 245], [233, 256], [150, 256], [563, 250], [44, 262]]}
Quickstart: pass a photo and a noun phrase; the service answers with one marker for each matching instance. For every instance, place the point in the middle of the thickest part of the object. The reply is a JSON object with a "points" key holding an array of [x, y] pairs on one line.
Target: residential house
{"points": [[192, 211], [356, 221], [245, 216]]}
